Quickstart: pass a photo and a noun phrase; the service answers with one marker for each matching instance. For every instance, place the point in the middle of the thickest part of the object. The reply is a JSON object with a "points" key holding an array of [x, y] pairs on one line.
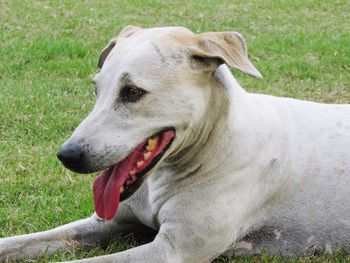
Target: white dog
{"points": [[187, 152]]}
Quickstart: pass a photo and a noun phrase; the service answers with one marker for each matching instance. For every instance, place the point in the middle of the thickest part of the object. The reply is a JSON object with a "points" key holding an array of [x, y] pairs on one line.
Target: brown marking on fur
{"points": [[184, 37], [229, 47], [243, 245], [341, 172]]}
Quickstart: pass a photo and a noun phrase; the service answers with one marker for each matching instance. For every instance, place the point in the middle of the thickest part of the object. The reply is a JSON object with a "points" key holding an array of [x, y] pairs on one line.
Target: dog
{"points": [[187, 152]]}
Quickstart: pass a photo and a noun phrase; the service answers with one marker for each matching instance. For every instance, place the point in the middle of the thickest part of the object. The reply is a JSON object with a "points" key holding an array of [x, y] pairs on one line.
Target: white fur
{"points": [[239, 162]]}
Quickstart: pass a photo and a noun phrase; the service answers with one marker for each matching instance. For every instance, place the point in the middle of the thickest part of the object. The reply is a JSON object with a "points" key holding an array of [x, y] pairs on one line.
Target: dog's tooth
{"points": [[139, 164], [122, 189], [152, 143], [146, 155], [132, 172], [149, 148]]}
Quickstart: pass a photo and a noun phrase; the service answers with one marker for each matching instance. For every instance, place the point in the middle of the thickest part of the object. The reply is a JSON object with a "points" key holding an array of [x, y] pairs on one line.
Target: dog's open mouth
{"points": [[121, 180]]}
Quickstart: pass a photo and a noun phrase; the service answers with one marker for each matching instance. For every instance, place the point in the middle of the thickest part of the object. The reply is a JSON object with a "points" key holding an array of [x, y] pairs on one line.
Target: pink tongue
{"points": [[107, 185]]}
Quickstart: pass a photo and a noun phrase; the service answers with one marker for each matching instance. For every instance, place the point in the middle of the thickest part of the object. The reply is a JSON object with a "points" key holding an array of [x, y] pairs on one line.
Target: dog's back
{"points": [[311, 213]]}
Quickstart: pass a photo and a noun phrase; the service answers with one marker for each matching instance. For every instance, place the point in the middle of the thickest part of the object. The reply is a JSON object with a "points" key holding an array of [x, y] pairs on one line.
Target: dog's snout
{"points": [[72, 157], [71, 153]]}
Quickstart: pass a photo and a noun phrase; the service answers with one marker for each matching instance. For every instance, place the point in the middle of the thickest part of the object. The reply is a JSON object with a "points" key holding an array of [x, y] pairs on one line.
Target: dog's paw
{"points": [[5, 251], [11, 249]]}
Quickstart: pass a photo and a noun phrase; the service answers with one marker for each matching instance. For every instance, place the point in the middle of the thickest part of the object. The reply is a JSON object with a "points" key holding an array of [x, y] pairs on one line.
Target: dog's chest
{"points": [[172, 195]]}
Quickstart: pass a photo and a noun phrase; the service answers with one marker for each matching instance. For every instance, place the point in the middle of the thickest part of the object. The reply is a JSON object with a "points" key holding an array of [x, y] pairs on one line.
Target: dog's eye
{"points": [[131, 94]]}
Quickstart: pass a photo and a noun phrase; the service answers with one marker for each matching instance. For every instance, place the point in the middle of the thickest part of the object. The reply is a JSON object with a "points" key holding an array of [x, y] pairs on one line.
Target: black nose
{"points": [[72, 156]]}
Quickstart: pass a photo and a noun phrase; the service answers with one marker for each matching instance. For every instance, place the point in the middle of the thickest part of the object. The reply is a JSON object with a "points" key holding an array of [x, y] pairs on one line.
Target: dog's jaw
{"points": [[121, 180]]}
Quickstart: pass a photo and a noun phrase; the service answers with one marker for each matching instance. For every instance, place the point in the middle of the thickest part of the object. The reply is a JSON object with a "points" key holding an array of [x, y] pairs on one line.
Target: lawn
{"points": [[49, 52]]}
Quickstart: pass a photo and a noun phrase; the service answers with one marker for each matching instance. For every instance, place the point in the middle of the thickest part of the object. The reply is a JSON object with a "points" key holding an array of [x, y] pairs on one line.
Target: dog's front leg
{"points": [[80, 234], [175, 243], [159, 250]]}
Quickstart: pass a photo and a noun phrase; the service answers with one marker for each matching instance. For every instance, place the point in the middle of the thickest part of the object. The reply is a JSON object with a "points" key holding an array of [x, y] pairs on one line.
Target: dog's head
{"points": [[152, 91]]}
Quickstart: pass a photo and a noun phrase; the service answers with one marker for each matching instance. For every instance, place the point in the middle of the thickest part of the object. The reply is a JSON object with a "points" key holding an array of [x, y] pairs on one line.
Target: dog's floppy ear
{"points": [[126, 32], [225, 47]]}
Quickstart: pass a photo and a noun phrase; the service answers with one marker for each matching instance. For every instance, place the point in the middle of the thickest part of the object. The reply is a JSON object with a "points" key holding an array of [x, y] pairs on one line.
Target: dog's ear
{"points": [[126, 32], [215, 49], [104, 53]]}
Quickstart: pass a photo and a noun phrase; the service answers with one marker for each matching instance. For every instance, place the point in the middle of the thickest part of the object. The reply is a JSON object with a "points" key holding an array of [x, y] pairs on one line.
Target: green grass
{"points": [[49, 51]]}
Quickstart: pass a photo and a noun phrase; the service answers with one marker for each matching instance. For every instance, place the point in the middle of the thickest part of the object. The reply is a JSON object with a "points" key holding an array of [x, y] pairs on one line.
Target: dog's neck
{"points": [[196, 137], [223, 148], [229, 130]]}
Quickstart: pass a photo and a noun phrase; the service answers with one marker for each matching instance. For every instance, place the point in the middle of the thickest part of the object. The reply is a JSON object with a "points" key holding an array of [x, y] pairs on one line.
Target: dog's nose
{"points": [[71, 155]]}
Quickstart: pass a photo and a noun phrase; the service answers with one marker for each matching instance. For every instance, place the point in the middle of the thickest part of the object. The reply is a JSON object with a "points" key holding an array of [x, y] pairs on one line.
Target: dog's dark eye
{"points": [[131, 94]]}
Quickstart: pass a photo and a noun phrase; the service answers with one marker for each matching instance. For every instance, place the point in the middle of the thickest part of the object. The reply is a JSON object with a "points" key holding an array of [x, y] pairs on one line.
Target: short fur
{"points": [[246, 172]]}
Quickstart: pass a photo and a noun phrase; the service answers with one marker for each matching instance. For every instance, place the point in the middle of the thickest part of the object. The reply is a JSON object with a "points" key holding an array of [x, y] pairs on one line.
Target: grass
{"points": [[49, 52]]}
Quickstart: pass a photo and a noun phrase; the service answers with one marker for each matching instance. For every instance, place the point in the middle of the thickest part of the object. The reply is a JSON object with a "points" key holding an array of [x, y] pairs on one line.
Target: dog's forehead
{"points": [[148, 40], [148, 50], [163, 34], [170, 40], [176, 35]]}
